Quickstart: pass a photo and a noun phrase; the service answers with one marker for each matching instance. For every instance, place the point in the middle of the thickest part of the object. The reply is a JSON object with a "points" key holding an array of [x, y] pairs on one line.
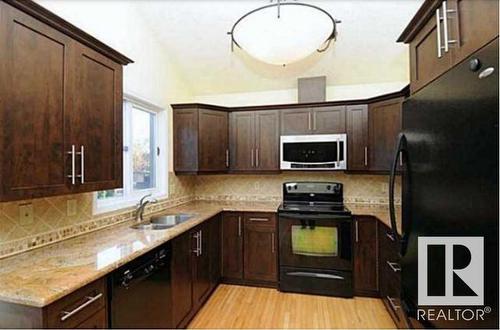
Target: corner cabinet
{"points": [[60, 106], [200, 140]]}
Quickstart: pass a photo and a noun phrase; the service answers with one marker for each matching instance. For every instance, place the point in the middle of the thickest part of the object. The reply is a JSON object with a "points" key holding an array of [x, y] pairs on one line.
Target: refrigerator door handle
{"points": [[400, 151]]}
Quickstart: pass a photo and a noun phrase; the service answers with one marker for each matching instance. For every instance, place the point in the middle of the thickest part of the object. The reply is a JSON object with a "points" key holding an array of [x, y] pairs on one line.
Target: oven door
{"points": [[315, 241], [315, 152]]}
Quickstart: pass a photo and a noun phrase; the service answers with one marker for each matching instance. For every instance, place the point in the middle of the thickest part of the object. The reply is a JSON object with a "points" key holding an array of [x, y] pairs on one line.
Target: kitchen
{"points": [[213, 177]]}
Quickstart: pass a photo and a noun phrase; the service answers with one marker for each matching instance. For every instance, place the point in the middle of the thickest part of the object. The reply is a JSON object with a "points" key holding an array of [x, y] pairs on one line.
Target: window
{"points": [[144, 156]]}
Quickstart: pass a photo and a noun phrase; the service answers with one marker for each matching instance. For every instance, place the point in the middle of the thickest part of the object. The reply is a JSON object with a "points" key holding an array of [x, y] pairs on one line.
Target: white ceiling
{"points": [[195, 34]]}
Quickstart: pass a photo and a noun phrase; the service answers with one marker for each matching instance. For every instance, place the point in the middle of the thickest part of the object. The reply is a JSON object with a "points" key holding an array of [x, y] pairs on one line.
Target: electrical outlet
{"points": [[26, 214], [384, 187], [71, 207]]}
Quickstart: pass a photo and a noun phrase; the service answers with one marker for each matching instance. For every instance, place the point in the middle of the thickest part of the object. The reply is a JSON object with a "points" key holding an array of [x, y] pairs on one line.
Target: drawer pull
{"points": [[393, 305], [259, 219], [394, 266], [90, 300], [390, 236]]}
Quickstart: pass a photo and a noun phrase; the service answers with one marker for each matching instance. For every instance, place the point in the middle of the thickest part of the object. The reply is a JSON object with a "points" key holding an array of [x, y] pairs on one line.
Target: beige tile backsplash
{"points": [[51, 223]]}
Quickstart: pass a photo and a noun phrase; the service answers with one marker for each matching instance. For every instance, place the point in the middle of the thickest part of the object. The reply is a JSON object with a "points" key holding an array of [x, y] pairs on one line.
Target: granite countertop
{"points": [[42, 276]]}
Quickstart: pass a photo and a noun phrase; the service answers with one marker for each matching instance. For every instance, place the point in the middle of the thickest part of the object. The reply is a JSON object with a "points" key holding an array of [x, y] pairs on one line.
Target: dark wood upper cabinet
{"points": [[357, 137], [384, 126], [56, 92], [232, 246], [316, 120], [296, 121], [365, 256], [95, 120], [213, 141], [267, 140], [475, 24], [242, 141], [437, 44], [260, 247], [200, 140], [329, 120], [254, 141]]}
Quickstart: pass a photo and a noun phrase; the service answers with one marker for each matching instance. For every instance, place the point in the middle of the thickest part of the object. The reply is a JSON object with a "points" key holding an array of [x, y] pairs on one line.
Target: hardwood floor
{"points": [[241, 307]]}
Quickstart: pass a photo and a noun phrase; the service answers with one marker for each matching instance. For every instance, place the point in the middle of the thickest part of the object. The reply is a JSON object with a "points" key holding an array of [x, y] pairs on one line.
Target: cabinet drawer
{"points": [[96, 321], [72, 310], [264, 219]]}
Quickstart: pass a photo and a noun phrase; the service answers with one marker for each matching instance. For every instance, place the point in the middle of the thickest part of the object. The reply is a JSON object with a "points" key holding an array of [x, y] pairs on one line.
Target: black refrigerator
{"points": [[449, 240]]}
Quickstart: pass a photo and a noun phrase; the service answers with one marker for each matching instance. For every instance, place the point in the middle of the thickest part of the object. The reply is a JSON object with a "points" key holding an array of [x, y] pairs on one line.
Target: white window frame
{"points": [[130, 197]]}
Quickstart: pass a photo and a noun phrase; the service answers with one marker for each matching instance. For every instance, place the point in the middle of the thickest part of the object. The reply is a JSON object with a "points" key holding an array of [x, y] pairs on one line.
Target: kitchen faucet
{"points": [[139, 211]]}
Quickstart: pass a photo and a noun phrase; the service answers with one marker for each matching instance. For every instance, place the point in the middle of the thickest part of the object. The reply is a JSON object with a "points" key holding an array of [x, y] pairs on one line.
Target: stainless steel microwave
{"points": [[314, 152]]}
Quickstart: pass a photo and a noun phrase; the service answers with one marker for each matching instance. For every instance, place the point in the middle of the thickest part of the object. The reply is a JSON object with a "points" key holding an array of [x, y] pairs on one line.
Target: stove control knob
{"points": [[328, 187]]}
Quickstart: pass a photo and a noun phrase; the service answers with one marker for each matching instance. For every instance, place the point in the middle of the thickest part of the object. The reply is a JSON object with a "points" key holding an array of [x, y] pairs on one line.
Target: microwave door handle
{"points": [[338, 153]]}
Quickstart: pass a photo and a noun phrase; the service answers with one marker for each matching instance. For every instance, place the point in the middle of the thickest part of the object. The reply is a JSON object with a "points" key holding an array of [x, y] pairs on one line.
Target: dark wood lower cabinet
{"points": [[260, 249], [390, 275], [249, 248], [365, 256], [194, 273], [232, 246]]}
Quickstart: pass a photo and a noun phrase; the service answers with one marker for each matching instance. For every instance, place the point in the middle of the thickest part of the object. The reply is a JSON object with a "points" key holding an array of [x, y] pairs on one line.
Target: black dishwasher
{"points": [[140, 294]]}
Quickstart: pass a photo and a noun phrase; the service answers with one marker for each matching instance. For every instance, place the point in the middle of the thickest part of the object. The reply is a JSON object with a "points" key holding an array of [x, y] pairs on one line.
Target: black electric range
{"points": [[315, 231]]}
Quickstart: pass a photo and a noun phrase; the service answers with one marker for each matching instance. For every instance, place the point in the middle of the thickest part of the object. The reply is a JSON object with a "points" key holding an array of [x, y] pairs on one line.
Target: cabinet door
{"points": [[201, 264], [267, 140], [215, 251], [181, 278], [95, 120], [365, 256], [357, 137], [384, 126], [33, 103], [329, 120], [475, 24], [260, 253], [425, 64], [185, 140], [213, 141], [296, 121], [242, 141], [232, 246]]}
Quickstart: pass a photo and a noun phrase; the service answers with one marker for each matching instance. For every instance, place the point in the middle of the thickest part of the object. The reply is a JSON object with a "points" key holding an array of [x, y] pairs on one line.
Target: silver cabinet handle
{"points": [[394, 266], [313, 115], [72, 176], [227, 157], [82, 164], [90, 300], [447, 41], [366, 156], [438, 28], [309, 120], [196, 251], [239, 226], [356, 230], [317, 275], [251, 158], [200, 237], [257, 157], [391, 302], [390, 236], [259, 219], [400, 158], [272, 243]]}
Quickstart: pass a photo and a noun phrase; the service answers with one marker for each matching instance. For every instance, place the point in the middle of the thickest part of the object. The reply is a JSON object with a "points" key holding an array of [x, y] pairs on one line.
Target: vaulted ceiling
{"points": [[195, 35]]}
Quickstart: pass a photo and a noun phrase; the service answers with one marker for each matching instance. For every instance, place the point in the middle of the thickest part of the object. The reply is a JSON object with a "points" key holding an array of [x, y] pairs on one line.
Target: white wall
{"points": [[153, 76], [333, 93]]}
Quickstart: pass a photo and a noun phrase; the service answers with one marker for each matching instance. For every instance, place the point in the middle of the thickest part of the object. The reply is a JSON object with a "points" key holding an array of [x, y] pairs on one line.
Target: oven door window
{"points": [[315, 241], [311, 152]]}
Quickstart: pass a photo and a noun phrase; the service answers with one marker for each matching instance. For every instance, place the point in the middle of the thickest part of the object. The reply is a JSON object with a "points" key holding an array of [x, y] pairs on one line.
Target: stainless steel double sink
{"points": [[165, 221]]}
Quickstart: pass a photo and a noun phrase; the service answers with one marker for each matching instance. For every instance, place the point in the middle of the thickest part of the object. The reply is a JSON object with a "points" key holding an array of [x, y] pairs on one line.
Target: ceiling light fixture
{"points": [[284, 32]]}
